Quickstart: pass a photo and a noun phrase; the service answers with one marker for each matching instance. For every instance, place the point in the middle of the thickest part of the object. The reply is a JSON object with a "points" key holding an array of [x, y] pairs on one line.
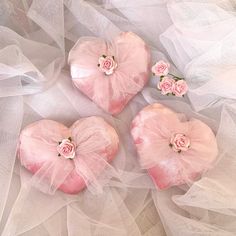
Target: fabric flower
{"points": [[180, 88], [161, 68], [179, 142], [166, 85], [107, 64], [66, 148]]}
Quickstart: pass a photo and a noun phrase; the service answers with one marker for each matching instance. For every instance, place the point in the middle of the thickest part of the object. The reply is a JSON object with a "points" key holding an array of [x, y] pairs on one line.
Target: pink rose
{"points": [[161, 68], [180, 88], [166, 85], [107, 64], [179, 142], [66, 148]]}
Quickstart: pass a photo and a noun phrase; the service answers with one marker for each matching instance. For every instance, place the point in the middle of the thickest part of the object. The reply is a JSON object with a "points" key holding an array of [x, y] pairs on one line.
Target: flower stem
{"points": [[175, 76]]}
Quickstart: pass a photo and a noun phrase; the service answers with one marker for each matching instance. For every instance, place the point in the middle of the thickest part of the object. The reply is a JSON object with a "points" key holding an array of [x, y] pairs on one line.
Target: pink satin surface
{"points": [[152, 129], [95, 141], [110, 92]]}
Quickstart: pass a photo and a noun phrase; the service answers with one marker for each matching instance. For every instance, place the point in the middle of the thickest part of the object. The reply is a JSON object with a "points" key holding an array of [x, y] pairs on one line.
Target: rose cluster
{"points": [[169, 84]]}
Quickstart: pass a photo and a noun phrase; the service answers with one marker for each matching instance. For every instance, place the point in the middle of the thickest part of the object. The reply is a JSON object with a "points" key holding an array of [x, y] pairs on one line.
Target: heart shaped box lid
{"points": [[174, 149], [110, 73], [68, 159]]}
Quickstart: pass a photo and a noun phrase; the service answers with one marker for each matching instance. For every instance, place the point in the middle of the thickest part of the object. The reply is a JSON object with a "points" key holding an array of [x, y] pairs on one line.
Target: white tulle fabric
{"points": [[201, 44], [197, 35]]}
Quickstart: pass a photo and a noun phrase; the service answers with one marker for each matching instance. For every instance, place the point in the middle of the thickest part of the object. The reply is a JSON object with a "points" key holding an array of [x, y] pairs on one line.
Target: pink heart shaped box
{"points": [[152, 130], [110, 92], [38, 146]]}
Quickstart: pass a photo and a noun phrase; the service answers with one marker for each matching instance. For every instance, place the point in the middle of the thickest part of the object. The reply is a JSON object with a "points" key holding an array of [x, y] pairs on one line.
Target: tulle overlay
{"points": [[196, 36]]}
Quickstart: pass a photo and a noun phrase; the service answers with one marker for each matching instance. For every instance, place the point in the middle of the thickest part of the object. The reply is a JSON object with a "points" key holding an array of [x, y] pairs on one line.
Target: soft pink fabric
{"points": [[94, 139], [153, 129], [111, 92]]}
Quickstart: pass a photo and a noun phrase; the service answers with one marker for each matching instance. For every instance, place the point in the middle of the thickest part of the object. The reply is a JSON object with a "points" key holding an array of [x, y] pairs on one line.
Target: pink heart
{"points": [[90, 143], [129, 73], [173, 149]]}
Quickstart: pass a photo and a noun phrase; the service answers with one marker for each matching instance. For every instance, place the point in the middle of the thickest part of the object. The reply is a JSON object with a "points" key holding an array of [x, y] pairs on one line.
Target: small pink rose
{"points": [[66, 148], [180, 88], [179, 142], [107, 64], [161, 68], [166, 85]]}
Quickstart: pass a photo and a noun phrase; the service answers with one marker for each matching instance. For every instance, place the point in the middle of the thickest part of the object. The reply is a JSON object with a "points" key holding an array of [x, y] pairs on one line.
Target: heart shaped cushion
{"points": [[110, 73], [172, 148], [70, 158]]}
